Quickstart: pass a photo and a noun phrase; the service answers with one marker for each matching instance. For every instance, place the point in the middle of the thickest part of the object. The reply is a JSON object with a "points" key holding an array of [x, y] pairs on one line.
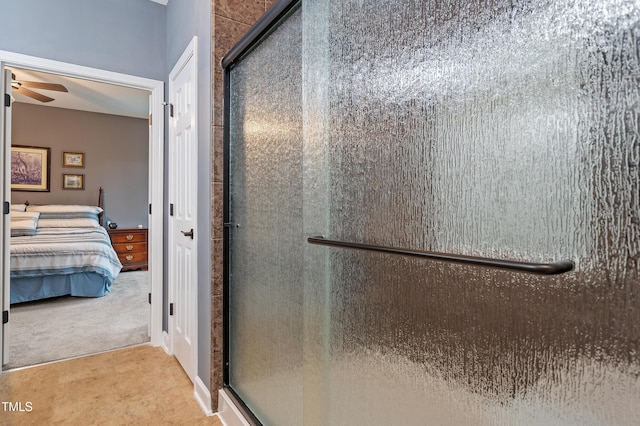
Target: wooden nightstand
{"points": [[131, 247]]}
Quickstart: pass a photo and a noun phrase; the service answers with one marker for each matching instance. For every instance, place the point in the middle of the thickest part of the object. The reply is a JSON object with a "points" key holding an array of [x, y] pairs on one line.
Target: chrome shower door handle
{"points": [[188, 233]]}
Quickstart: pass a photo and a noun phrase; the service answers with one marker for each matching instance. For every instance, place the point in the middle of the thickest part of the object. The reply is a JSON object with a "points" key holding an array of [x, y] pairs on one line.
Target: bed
{"points": [[59, 250]]}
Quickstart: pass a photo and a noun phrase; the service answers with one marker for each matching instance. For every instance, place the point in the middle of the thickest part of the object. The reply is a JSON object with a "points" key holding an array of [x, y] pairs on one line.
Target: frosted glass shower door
{"points": [[501, 129], [265, 228]]}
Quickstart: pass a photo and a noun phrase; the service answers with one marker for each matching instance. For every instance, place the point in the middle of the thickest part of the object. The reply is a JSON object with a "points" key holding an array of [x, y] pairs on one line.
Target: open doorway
{"points": [[96, 138], [65, 178]]}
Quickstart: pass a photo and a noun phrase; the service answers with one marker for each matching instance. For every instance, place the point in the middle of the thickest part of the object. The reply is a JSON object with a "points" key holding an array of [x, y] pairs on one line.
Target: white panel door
{"points": [[5, 188], [182, 198]]}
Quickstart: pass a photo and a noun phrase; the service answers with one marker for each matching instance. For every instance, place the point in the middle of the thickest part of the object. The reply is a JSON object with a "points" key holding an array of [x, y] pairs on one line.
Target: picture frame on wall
{"points": [[73, 159], [30, 168], [72, 181]]}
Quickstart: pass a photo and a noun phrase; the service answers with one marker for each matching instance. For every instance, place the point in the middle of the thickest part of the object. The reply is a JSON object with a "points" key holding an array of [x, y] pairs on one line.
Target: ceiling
{"points": [[85, 95]]}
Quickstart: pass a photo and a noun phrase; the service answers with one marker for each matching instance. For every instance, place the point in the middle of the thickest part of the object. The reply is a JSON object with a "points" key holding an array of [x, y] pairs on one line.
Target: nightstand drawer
{"points": [[128, 237], [130, 247], [129, 258]]}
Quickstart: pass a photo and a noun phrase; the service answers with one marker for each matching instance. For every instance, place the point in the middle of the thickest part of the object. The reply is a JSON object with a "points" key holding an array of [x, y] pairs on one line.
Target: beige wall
{"points": [[230, 21], [116, 157]]}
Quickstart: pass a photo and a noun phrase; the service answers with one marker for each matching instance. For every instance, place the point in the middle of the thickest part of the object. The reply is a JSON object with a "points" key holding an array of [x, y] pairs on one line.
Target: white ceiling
{"points": [[161, 1], [85, 95]]}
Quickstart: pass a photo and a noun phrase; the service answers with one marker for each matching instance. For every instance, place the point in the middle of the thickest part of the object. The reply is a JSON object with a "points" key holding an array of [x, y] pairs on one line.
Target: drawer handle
{"points": [[129, 237], [129, 247], [129, 257]]}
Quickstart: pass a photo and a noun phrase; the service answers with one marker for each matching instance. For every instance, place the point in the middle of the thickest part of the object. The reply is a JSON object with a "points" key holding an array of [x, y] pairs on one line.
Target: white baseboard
{"points": [[228, 413], [166, 342], [203, 396]]}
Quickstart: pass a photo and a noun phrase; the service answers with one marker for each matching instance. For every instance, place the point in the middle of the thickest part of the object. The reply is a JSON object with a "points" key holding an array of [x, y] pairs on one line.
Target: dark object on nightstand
{"points": [[112, 225]]}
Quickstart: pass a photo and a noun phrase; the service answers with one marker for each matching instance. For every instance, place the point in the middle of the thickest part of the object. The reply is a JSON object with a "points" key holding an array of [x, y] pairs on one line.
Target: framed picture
{"points": [[72, 181], [30, 168], [73, 159]]}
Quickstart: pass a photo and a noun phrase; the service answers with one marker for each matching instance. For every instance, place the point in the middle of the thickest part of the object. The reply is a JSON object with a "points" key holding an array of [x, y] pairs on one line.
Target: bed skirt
{"points": [[86, 284]]}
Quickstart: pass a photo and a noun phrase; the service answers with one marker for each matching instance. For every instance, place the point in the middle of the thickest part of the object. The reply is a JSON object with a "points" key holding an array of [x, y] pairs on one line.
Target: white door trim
{"points": [[189, 53], [5, 195], [156, 160]]}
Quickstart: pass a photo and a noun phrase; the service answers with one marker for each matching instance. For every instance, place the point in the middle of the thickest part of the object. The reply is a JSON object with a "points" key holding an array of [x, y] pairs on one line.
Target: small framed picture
{"points": [[72, 181], [73, 159]]}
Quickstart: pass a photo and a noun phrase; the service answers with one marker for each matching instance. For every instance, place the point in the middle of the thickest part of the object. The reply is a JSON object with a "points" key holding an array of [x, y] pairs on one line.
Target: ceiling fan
{"points": [[20, 86]]}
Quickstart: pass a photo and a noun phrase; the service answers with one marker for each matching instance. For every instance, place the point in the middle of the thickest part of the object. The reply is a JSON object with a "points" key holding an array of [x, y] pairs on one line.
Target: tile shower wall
{"points": [[230, 19]]}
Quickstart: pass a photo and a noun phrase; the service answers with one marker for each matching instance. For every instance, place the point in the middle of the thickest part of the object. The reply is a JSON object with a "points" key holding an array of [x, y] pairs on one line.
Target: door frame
{"points": [[156, 162], [189, 53]]}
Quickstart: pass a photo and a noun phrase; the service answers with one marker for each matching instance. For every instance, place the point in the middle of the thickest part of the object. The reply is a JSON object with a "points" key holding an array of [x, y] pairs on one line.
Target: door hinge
{"points": [[171, 209], [149, 208], [5, 317], [6, 207], [150, 119], [7, 100], [149, 298], [170, 110], [170, 308]]}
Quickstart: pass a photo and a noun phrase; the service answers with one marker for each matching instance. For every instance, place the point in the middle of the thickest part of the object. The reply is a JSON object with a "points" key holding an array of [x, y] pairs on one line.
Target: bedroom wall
{"points": [[116, 158]]}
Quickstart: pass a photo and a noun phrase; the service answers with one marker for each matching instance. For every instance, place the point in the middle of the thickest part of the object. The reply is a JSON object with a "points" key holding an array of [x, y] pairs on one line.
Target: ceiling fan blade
{"points": [[34, 95], [44, 86]]}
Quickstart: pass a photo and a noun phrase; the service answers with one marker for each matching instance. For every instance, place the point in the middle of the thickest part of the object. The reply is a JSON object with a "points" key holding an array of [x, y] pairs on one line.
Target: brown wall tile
{"points": [[218, 91], [245, 11], [228, 33], [218, 158]]}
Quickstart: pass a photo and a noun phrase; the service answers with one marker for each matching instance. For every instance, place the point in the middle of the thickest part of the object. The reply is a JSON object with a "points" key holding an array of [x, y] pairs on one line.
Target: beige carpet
{"points": [[65, 327]]}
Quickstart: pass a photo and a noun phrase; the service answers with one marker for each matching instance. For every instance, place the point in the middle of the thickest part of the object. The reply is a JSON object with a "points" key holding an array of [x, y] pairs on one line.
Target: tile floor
{"points": [[141, 385]]}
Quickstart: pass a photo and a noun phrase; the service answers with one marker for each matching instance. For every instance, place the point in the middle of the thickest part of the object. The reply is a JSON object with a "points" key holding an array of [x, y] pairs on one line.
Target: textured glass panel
{"points": [[266, 245], [492, 128]]}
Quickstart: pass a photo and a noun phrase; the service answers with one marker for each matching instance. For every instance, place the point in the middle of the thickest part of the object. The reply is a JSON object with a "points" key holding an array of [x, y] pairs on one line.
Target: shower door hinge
{"points": [[5, 317], [170, 308]]}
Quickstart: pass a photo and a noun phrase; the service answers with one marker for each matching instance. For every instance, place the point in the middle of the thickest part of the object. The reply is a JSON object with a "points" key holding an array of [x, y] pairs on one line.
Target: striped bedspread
{"points": [[56, 251]]}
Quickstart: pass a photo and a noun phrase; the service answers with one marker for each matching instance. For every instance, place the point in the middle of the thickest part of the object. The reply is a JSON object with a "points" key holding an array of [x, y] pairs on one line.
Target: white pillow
{"points": [[23, 215], [24, 223], [68, 223], [18, 207], [61, 208]]}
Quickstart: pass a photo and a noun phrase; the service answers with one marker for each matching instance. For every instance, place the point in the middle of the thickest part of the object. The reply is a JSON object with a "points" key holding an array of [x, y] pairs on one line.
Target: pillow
{"points": [[78, 222], [67, 216], [24, 223], [18, 207], [24, 215], [61, 208]]}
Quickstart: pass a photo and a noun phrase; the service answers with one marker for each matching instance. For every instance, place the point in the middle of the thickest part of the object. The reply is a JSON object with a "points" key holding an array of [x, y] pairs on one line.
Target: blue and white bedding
{"points": [[67, 249]]}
